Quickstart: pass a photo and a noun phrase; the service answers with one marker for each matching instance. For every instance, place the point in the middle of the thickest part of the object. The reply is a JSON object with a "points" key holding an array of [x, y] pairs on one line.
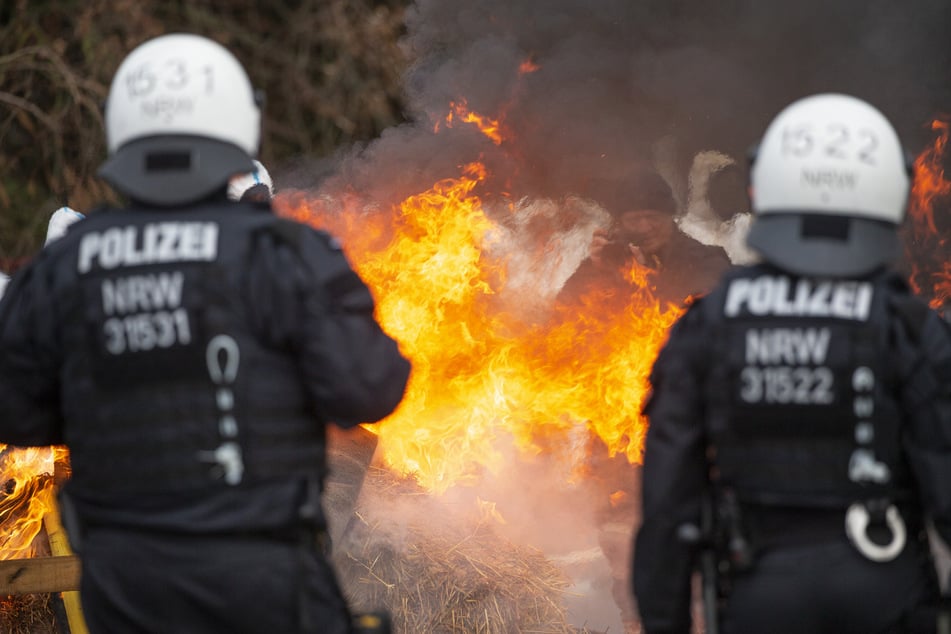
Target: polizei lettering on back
{"points": [[781, 296], [151, 244]]}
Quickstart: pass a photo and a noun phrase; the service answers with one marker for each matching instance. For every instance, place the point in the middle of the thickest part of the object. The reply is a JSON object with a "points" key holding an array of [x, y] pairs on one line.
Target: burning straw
{"points": [[437, 573], [31, 614], [28, 478]]}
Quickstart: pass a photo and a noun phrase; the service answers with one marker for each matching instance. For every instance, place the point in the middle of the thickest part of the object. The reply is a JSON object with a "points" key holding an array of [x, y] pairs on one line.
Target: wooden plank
{"points": [[39, 575]]}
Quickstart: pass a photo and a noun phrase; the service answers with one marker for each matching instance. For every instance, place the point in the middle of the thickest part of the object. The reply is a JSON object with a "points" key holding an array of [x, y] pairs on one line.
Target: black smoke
{"points": [[617, 81]]}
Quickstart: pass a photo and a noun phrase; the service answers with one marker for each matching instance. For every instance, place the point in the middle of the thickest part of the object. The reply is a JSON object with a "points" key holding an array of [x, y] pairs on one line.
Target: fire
{"points": [[930, 182], [484, 380], [491, 128], [527, 66], [27, 495], [942, 287], [929, 233]]}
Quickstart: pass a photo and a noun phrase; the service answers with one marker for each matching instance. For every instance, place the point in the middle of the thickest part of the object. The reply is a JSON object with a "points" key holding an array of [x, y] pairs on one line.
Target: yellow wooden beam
{"points": [[59, 546]]}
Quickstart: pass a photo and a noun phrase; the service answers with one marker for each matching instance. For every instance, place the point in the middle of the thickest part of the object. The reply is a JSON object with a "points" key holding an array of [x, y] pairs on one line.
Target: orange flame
{"points": [[930, 182], [483, 380], [928, 251], [942, 287], [27, 495], [527, 66], [491, 128]]}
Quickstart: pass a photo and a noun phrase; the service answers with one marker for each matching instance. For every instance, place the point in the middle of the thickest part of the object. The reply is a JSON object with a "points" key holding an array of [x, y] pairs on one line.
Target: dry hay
{"points": [[438, 574], [31, 614]]}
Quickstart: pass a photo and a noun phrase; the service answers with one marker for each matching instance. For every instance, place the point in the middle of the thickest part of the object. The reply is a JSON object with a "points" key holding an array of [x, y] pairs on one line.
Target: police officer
{"points": [[804, 404], [189, 350]]}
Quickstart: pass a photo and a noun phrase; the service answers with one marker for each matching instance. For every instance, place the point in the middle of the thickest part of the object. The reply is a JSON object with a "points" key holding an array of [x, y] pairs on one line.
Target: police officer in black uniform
{"points": [[803, 407], [189, 350]]}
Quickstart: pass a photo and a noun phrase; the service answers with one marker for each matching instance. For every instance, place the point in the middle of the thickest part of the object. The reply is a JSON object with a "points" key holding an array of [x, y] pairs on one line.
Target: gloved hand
{"points": [[59, 221]]}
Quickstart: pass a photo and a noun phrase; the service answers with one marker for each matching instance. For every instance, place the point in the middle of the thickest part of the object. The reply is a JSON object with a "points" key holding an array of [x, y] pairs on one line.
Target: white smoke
{"points": [[702, 223], [542, 244]]}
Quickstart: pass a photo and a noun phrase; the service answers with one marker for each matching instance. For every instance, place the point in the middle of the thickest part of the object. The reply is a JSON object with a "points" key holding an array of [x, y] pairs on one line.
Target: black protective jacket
{"points": [[771, 411], [190, 360]]}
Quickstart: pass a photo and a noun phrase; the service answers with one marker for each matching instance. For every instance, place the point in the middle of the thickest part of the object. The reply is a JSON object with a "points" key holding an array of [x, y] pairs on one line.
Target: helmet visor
{"points": [[174, 169], [811, 244]]}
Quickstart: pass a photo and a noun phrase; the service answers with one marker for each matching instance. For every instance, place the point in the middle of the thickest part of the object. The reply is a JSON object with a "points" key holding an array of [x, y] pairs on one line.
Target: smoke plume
{"points": [[618, 83]]}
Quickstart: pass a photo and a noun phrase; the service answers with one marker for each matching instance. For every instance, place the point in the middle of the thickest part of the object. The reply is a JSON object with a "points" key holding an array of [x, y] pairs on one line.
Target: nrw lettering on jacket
{"points": [[779, 295], [151, 244], [141, 293], [792, 346]]}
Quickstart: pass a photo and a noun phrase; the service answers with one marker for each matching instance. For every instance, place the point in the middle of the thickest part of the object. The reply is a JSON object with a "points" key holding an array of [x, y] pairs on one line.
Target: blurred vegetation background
{"points": [[330, 70]]}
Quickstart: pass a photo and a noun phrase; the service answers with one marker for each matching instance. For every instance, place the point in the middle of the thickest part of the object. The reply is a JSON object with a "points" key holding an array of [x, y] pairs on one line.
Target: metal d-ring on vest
{"points": [[856, 527], [223, 372]]}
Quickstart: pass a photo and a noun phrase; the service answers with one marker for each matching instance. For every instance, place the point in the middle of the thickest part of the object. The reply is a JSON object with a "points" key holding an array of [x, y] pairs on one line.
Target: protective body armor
{"points": [[160, 346], [801, 410]]}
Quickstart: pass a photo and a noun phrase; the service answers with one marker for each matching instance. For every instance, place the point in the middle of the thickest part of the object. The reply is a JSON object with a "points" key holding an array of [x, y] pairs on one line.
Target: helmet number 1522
{"points": [[836, 140]]}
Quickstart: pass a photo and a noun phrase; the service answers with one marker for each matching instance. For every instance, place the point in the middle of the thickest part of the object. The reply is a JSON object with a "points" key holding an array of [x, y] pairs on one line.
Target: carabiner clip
{"points": [[856, 527]]}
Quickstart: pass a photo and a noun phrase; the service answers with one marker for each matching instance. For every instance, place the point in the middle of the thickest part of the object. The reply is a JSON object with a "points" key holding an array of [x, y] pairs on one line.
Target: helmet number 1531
{"points": [[170, 75]]}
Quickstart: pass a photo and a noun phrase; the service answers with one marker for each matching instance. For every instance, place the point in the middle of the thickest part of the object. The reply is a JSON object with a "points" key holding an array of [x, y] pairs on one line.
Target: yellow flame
{"points": [[27, 494], [483, 380]]}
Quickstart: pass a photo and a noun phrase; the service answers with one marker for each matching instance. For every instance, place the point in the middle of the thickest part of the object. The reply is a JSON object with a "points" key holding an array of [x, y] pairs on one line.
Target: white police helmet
{"points": [[830, 183], [181, 119]]}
